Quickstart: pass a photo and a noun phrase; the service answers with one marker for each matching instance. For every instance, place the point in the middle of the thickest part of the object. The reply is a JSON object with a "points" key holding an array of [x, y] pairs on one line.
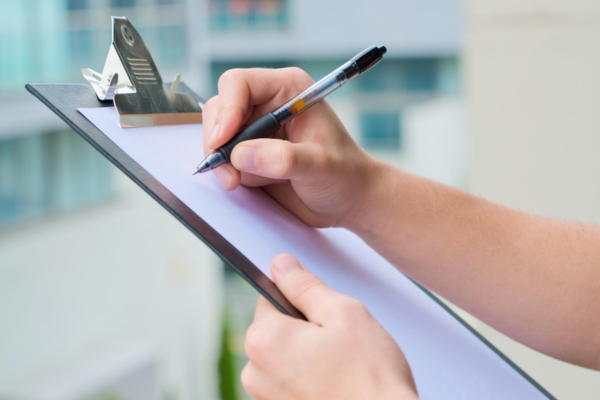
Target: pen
{"points": [[270, 123]]}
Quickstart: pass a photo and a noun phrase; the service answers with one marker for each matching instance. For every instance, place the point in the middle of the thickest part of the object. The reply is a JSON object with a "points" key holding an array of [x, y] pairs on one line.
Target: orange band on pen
{"points": [[297, 106]]}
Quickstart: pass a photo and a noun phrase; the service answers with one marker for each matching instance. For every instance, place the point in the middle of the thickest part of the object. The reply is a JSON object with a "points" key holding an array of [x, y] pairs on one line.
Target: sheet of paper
{"points": [[447, 360]]}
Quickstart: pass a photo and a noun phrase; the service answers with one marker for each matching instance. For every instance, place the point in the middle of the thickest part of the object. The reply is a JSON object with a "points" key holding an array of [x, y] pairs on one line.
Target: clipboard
{"points": [[65, 99]]}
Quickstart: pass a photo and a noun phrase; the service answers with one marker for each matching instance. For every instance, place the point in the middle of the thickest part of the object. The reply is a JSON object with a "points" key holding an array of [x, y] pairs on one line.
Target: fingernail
{"points": [[214, 134], [286, 264], [224, 176], [244, 158]]}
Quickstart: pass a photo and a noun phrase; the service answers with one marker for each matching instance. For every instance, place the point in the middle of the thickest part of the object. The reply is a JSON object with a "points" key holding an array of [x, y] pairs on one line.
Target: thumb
{"points": [[275, 158], [303, 289]]}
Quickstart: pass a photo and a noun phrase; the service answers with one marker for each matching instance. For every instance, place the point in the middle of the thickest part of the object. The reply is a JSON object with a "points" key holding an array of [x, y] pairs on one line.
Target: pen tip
{"points": [[203, 167]]}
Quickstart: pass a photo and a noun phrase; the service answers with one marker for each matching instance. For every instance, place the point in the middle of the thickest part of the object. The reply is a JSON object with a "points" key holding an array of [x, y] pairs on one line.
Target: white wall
{"points": [[533, 86], [122, 274], [435, 140], [533, 91]]}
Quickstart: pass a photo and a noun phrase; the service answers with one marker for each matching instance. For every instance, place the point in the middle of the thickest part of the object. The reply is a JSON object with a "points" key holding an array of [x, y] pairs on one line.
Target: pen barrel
{"points": [[310, 96], [263, 127]]}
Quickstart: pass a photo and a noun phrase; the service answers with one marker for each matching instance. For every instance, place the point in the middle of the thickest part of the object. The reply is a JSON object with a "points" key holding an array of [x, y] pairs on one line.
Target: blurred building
{"points": [[102, 293], [397, 110]]}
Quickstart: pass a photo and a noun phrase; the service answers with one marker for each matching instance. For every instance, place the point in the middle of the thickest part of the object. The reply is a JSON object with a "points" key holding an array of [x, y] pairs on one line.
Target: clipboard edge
{"points": [[256, 278], [225, 250], [485, 341]]}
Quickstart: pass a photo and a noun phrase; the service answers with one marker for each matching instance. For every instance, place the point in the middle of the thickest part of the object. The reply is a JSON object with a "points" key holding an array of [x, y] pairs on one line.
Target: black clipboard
{"points": [[64, 99]]}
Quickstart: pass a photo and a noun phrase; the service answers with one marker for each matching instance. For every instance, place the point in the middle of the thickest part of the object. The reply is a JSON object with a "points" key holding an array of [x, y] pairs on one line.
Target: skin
{"points": [[283, 350], [536, 280]]}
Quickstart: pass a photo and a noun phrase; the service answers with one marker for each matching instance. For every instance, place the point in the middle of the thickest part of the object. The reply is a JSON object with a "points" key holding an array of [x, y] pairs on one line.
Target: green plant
{"points": [[227, 371]]}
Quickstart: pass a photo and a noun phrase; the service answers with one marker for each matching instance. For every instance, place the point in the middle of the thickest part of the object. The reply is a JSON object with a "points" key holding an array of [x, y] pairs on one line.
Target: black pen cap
{"points": [[369, 57]]}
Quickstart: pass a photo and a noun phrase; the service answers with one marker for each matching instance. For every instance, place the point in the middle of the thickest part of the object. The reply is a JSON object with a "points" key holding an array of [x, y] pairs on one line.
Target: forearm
{"points": [[535, 279]]}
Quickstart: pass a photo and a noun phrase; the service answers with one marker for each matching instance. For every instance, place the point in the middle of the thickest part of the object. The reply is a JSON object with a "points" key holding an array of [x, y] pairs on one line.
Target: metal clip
{"points": [[131, 80]]}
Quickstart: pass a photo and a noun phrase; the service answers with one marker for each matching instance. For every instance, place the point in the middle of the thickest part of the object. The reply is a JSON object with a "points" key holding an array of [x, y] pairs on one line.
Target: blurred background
{"points": [[103, 295]]}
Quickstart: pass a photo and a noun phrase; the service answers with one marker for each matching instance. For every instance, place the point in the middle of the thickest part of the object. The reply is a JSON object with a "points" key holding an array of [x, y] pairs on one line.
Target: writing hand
{"points": [[318, 172]]}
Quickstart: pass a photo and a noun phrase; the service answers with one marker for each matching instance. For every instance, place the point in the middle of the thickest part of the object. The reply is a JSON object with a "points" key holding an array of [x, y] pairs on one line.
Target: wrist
{"points": [[378, 198]]}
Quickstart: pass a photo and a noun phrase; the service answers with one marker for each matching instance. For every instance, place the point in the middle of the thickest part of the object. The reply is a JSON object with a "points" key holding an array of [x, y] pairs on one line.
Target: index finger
{"points": [[245, 94]]}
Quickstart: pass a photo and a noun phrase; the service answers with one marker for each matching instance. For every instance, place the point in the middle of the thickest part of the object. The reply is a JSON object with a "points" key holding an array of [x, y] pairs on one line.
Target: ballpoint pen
{"points": [[270, 123]]}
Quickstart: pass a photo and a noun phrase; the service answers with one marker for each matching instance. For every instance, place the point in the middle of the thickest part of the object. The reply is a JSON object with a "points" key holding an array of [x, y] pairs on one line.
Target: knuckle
{"points": [[245, 377], [229, 77], [287, 160], [254, 341], [249, 381], [352, 308], [305, 287], [211, 104], [261, 338], [300, 75], [231, 112]]}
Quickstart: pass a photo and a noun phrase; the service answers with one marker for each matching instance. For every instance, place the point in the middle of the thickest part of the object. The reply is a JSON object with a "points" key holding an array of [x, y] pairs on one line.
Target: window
{"points": [[248, 14], [77, 4], [405, 75], [122, 3], [219, 67], [380, 131], [172, 44], [420, 75], [81, 48], [45, 173]]}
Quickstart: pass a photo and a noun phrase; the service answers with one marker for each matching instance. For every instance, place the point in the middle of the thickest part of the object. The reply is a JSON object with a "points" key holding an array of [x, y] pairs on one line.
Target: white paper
{"points": [[447, 360]]}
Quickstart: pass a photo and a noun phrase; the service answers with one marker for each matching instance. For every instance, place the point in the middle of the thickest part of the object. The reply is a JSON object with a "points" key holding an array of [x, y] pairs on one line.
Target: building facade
{"points": [[95, 277]]}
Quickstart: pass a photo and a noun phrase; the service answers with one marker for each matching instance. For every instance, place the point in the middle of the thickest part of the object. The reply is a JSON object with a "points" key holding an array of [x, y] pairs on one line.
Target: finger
{"points": [[251, 180], [253, 381], [264, 309], [209, 113], [278, 159], [241, 90], [228, 176], [304, 290]]}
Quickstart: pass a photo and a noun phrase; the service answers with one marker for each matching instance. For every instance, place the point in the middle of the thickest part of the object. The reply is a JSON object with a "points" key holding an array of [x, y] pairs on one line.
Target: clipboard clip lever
{"points": [[132, 82]]}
